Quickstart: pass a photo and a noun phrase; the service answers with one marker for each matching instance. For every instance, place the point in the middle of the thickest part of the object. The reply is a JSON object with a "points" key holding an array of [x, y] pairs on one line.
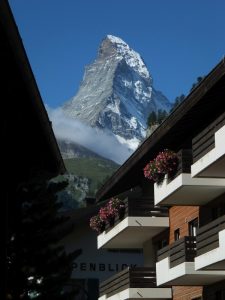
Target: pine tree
{"points": [[152, 119], [198, 80], [162, 114], [38, 266], [177, 101]]}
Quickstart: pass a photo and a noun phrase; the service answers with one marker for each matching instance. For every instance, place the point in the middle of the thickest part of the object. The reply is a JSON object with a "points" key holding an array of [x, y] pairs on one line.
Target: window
{"points": [[192, 227], [177, 234], [162, 243]]}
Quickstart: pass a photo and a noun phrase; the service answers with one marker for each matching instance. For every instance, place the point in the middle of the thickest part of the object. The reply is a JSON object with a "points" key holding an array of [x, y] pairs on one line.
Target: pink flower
{"points": [[166, 162], [97, 224], [106, 214], [115, 205]]}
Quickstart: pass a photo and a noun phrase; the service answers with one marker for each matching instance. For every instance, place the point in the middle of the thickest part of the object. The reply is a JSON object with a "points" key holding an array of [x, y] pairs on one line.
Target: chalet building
{"points": [[180, 223], [93, 266], [29, 146]]}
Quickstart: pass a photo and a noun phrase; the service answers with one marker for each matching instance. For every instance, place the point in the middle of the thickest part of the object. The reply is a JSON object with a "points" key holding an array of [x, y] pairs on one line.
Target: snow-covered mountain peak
{"points": [[123, 51], [115, 39], [117, 94]]}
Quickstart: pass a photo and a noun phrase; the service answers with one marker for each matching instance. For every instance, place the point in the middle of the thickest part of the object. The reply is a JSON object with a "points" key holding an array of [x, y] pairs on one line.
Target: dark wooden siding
{"points": [[183, 250], [205, 141], [208, 235], [140, 207], [129, 278]]}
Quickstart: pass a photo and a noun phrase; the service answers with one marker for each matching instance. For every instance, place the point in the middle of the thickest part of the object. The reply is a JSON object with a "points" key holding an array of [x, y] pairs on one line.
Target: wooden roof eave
{"points": [[8, 23]]}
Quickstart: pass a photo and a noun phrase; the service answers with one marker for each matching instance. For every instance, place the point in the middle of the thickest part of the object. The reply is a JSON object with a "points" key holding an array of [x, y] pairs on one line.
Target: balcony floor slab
{"points": [[185, 190], [185, 274], [141, 293], [132, 232]]}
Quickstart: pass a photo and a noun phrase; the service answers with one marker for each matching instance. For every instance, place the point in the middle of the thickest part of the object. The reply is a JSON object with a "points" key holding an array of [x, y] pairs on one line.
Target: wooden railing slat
{"points": [[131, 277], [180, 251], [205, 140], [139, 208], [208, 235], [208, 241]]}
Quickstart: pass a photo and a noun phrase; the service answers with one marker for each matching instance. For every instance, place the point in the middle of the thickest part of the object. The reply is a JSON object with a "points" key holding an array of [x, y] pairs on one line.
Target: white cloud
{"points": [[103, 143]]}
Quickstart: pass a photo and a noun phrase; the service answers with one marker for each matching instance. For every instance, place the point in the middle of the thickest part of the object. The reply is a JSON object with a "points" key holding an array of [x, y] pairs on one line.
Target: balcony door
{"points": [[192, 227]]}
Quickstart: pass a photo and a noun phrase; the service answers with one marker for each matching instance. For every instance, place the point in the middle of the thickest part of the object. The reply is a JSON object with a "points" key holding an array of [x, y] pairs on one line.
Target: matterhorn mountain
{"points": [[117, 94]]}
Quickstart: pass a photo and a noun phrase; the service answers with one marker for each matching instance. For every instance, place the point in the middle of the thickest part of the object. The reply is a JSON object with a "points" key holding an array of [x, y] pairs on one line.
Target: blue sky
{"points": [[178, 40]]}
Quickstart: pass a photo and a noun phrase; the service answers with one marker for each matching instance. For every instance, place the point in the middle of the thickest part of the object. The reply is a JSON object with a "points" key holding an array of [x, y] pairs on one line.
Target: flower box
{"points": [[165, 163]]}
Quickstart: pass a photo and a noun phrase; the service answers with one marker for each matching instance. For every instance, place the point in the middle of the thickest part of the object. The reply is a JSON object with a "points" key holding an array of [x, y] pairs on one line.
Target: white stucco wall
{"points": [[94, 263]]}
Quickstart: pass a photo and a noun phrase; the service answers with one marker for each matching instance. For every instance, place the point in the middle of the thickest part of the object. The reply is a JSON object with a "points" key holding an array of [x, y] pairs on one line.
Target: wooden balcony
{"points": [[209, 151], [182, 250], [140, 207], [133, 283], [176, 265], [140, 222], [183, 189], [184, 162], [211, 246]]}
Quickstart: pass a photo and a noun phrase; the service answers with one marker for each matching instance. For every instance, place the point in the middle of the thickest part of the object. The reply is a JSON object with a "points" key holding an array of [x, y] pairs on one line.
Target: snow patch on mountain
{"points": [[133, 59], [116, 94]]}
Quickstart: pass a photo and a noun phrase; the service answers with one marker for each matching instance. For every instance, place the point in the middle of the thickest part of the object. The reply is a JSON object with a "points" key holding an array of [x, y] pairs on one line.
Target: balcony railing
{"points": [[208, 235], [182, 250], [205, 141], [140, 207], [184, 162], [129, 278]]}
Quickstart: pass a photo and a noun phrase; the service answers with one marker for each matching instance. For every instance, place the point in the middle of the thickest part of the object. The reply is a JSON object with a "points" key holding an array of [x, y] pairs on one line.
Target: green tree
{"points": [[156, 118], [162, 114], [177, 101], [196, 83], [38, 265], [181, 98], [152, 119]]}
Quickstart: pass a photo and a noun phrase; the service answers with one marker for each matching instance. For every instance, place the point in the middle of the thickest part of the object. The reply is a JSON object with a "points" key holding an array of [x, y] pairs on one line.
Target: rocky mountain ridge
{"points": [[71, 149], [84, 175], [117, 93]]}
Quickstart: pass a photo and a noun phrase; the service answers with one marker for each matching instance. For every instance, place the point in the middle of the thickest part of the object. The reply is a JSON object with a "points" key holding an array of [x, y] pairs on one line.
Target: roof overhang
{"points": [[28, 83]]}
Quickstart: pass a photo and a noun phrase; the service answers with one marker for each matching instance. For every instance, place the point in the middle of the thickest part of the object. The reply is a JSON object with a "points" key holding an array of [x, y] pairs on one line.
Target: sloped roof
{"points": [[22, 99]]}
